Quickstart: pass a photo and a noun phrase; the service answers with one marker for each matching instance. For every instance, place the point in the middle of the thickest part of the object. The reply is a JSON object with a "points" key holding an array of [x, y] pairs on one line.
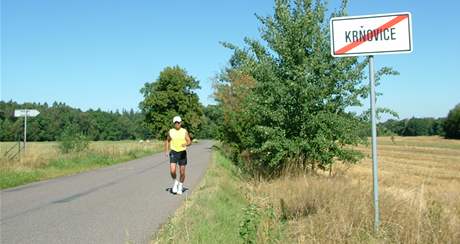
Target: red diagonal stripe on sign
{"points": [[377, 31]]}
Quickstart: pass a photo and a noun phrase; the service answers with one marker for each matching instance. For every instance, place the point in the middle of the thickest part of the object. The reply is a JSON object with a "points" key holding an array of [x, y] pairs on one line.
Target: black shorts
{"points": [[178, 157]]}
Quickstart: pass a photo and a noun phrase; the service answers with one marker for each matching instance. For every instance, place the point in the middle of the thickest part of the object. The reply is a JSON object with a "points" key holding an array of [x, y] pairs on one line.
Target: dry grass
{"points": [[42, 160], [411, 164], [419, 197], [39, 154]]}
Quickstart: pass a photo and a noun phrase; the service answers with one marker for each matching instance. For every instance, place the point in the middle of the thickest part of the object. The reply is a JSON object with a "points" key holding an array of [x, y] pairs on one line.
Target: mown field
{"points": [[419, 201], [43, 160]]}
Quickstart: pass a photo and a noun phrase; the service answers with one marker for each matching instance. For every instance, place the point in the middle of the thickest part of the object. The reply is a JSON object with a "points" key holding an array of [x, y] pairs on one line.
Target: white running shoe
{"points": [[179, 189], [174, 188]]}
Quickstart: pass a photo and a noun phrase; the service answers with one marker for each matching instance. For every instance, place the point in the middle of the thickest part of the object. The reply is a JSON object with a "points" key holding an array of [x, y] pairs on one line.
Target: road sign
{"points": [[26, 112], [371, 34]]}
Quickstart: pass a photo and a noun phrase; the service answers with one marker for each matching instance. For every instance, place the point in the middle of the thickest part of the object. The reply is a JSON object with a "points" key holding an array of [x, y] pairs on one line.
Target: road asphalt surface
{"points": [[122, 203]]}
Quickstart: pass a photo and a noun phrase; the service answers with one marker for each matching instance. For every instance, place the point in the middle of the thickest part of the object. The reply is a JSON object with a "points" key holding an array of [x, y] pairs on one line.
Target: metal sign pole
{"points": [[25, 131], [374, 146]]}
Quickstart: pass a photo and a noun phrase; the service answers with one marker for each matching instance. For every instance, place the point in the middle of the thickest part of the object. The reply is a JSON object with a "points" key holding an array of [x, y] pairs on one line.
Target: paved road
{"points": [[124, 202]]}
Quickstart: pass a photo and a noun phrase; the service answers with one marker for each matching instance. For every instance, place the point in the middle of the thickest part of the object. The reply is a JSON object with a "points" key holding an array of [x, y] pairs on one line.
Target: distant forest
{"points": [[101, 125], [413, 127], [54, 119]]}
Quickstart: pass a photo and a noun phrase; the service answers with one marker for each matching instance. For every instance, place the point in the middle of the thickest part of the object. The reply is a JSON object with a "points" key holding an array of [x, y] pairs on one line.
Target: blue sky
{"points": [[98, 54]]}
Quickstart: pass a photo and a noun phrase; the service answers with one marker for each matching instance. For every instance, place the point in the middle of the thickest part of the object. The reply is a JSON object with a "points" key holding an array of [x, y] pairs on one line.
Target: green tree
{"points": [[391, 127], [211, 122], [438, 127], [285, 99], [452, 123], [418, 127], [170, 95]]}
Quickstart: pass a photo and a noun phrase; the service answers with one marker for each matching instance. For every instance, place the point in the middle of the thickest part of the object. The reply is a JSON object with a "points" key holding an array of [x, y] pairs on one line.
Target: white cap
{"points": [[177, 119]]}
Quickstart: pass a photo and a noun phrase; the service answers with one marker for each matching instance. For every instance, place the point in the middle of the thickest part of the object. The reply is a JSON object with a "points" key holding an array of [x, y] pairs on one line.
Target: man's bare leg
{"points": [[172, 169]]}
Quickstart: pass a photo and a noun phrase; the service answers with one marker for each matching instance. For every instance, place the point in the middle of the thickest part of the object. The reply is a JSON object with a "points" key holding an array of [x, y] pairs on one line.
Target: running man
{"points": [[177, 141]]}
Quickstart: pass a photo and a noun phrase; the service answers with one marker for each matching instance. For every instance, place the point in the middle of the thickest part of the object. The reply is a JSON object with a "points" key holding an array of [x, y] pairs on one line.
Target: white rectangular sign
{"points": [[24, 112], [371, 34]]}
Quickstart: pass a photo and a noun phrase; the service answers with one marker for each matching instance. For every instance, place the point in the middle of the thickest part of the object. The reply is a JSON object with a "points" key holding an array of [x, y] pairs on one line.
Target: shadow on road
{"points": [[169, 189]]}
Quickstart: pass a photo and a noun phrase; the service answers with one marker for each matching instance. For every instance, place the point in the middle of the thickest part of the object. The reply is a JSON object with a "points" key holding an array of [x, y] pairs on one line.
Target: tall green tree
{"points": [[452, 123], [211, 122], [285, 98], [173, 93]]}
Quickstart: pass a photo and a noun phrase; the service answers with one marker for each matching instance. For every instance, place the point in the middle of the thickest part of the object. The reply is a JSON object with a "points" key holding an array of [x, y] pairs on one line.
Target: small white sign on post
{"points": [[371, 34], [25, 113]]}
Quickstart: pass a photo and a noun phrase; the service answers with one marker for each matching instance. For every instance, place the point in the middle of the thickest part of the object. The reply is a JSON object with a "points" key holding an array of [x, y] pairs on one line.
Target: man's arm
{"points": [[187, 139], [167, 142]]}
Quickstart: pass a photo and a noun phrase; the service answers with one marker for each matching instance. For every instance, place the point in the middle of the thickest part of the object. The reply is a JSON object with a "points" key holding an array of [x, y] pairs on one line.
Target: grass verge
{"points": [[102, 154], [221, 210], [212, 213]]}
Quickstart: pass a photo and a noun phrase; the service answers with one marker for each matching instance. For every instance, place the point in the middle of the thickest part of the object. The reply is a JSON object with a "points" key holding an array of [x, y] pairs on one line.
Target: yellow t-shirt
{"points": [[178, 139]]}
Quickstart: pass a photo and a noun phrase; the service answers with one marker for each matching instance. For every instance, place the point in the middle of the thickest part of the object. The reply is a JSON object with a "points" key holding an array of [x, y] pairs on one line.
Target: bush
{"points": [[249, 224], [452, 123], [285, 101], [72, 141]]}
